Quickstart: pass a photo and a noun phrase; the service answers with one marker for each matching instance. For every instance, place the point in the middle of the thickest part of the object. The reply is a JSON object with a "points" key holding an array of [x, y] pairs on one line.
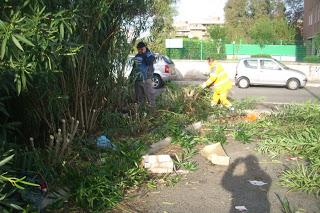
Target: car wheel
{"points": [[293, 84], [157, 81], [243, 82]]}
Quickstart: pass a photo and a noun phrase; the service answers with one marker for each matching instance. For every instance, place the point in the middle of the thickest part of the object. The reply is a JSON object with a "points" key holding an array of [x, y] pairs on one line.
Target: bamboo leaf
{"points": [[16, 42], [18, 84], [24, 40], [2, 25], [3, 47], [61, 31], [16, 207], [23, 79], [29, 184], [25, 3], [6, 160]]}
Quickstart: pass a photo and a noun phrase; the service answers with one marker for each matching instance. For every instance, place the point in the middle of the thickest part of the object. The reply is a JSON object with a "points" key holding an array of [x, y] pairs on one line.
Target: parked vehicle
{"points": [[164, 70], [268, 71]]}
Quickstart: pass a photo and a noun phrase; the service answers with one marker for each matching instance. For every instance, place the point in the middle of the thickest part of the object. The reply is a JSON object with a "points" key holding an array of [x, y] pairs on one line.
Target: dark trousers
{"points": [[140, 91]]}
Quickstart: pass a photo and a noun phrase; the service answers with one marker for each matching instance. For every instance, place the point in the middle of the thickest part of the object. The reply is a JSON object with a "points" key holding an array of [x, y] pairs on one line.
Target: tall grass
{"points": [[295, 131]]}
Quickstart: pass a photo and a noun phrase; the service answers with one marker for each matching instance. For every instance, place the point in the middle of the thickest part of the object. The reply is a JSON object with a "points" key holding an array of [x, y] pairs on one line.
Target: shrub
{"points": [[261, 56], [312, 59]]}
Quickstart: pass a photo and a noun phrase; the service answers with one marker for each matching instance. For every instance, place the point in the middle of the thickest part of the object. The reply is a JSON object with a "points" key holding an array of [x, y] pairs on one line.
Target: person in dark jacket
{"points": [[143, 72]]}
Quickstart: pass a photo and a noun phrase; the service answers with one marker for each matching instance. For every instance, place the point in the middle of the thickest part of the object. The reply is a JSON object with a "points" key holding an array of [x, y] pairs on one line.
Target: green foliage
{"points": [[218, 35], [262, 22], [316, 41], [286, 208], [312, 59], [262, 31], [101, 184], [261, 56], [244, 133], [162, 25], [295, 131], [8, 185], [217, 32], [192, 50], [217, 134], [304, 178]]}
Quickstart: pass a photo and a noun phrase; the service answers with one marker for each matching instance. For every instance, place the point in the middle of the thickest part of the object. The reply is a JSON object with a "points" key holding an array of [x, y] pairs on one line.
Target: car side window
{"points": [[158, 58], [269, 65], [252, 64]]}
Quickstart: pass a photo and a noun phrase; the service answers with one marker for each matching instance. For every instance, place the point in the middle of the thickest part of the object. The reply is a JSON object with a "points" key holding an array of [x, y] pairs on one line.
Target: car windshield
{"points": [[282, 65]]}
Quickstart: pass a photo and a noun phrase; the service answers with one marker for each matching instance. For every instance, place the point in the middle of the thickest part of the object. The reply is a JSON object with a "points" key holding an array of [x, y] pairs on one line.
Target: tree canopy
{"points": [[262, 21]]}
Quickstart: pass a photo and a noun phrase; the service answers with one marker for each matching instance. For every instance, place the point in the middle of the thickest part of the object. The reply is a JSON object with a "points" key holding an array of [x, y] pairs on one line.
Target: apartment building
{"points": [[311, 24], [196, 28]]}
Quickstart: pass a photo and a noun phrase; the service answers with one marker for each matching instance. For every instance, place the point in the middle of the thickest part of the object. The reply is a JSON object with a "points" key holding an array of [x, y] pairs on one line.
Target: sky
{"points": [[198, 9]]}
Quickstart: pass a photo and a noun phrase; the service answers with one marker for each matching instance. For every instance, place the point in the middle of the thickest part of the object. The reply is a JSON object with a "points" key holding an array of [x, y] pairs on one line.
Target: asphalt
{"points": [[273, 95]]}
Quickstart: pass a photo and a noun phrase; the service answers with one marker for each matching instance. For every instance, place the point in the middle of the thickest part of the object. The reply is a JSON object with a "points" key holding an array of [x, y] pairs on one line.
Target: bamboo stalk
{"points": [[32, 143]]}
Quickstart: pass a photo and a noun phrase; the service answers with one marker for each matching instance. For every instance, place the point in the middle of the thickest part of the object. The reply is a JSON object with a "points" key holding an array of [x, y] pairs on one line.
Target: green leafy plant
{"points": [[295, 131], [285, 205], [304, 178], [8, 186]]}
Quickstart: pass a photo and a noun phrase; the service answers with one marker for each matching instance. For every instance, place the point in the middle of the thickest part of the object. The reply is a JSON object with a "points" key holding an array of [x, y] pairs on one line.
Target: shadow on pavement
{"points": [[254, 198], [312, 93]]}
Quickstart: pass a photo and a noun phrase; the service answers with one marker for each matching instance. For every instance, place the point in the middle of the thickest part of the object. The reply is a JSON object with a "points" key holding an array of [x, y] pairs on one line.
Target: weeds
{"points": [[304, 178], [217, 134], [101, 185], [295, 131], [172, 180], [286, 208], [244, 132]]}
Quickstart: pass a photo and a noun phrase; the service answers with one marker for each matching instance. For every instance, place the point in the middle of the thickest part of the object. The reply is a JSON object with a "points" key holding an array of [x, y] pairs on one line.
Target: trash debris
{"points": [[251, 117], [158, 163], [257, 183], [160, 145], [104, 143], [215, 154], [195, 127], [241, 208], [168, 203], [180, 171], [294, 158]]}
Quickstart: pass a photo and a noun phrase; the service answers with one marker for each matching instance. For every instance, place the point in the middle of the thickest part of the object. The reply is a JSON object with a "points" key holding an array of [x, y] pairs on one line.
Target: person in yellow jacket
{"points": [[221, 82]]}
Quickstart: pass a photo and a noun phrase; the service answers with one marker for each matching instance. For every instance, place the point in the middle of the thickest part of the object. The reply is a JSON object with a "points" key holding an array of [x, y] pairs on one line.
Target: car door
{"points": [[250, 70], [270, 72]]}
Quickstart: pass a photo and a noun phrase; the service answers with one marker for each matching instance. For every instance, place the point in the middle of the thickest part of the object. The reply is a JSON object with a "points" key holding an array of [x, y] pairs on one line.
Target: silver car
{"points": [[164, 70], [268, 71]]}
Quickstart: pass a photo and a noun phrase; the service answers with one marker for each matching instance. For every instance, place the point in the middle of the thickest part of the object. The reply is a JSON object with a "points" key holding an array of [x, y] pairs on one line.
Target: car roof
{"points": [[257, 59]]}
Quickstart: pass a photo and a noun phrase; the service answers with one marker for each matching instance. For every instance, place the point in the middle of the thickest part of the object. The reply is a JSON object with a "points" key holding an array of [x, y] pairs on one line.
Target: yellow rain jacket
{"points": [[218, 77]]}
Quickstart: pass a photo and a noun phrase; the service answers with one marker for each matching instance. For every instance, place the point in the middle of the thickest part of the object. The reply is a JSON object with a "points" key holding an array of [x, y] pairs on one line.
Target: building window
{"points": [[310, 19]]}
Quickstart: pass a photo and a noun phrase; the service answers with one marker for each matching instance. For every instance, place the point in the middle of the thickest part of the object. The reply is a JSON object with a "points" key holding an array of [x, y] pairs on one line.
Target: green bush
{"points": [[261, 56], [312, 59], [295, 131], [101, 182]]}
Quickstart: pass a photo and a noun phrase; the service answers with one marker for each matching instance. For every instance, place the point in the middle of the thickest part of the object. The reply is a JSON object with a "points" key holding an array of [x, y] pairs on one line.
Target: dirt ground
{"points": [[220, 188]]}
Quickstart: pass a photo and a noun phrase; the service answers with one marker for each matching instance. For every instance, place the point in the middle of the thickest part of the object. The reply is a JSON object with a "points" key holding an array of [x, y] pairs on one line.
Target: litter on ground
{"points": [[241, 208], [158, 163], [216, 154], [257, 183]]}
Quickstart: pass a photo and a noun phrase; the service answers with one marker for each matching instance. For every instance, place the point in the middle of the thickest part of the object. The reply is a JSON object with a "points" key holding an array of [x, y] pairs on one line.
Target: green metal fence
{"points": [[202, 49], [196, 50]]}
